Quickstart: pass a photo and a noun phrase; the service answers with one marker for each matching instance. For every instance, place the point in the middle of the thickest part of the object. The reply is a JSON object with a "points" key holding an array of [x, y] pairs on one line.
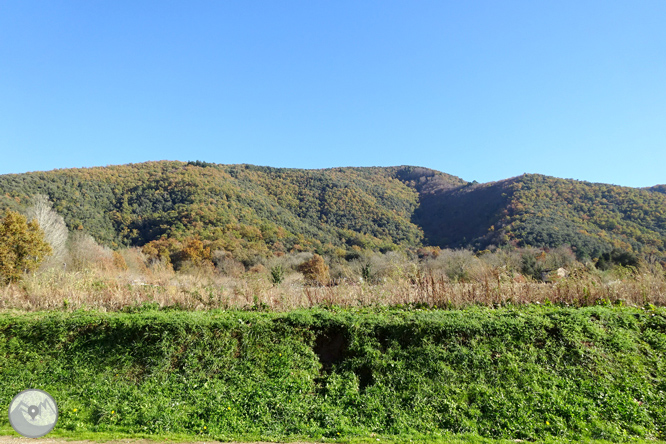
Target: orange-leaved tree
{"points": [[315, 271], [22, 246], [195, 253]]}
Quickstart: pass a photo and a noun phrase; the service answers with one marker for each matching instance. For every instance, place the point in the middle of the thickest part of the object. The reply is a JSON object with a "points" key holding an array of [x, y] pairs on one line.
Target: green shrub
{"points": [[277, 274], [366, 272]]}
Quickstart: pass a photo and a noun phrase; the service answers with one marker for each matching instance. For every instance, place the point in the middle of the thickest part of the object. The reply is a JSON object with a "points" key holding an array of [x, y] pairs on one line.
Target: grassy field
{"points": [[529, 372]]}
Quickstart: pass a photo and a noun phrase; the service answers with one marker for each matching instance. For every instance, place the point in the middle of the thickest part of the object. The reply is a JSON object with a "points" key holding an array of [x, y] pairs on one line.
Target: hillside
{"points": [[546, 211], [257, 210], [541, 211], [658, 188], [237, 207]]}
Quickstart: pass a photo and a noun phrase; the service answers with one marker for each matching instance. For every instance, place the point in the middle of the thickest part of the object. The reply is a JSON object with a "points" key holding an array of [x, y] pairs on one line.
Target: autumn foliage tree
{"points": [[22, 246], [315, 270], [195, 253], [190, 251]]}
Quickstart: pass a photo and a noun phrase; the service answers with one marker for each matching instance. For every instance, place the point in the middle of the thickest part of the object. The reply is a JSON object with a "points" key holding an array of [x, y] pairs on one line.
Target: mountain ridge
{"points": [[265, 210]]}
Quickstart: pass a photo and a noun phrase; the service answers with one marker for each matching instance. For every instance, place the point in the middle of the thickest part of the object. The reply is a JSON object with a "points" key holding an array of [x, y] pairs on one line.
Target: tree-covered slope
{"points": [[658, 188], [263, 210], [592, 217], [234, 206], [542, 211], [462, 216]]}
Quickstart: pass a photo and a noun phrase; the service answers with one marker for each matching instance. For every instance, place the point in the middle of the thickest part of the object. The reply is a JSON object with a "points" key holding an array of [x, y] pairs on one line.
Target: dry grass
{"points": [[109, 289]]}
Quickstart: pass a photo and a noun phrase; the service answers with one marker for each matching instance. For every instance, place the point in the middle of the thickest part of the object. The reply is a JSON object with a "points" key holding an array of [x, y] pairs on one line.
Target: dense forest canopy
{"points": [[594, 218], [238, 207], [265, 211], [658, 188]]}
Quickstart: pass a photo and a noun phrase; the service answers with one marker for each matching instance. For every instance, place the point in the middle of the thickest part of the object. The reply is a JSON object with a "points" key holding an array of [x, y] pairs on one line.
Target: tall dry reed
{"points": [[108, 289]]}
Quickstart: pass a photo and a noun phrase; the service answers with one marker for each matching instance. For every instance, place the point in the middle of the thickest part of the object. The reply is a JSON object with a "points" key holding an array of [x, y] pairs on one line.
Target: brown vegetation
{"points": [[97, 278], [315, 271]]}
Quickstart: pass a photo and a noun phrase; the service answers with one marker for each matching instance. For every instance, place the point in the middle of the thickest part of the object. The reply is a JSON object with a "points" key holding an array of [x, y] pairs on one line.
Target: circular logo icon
{"points": [[33, 413]]}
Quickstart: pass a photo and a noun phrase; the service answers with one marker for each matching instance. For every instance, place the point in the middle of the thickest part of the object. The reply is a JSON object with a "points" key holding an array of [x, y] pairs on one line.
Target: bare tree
{"points": [[51, 223]]}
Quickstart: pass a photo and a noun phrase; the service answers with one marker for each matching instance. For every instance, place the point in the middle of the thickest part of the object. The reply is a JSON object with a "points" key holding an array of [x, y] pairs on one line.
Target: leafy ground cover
{"points": [[116, 438], [528, 372], [119, 438]]}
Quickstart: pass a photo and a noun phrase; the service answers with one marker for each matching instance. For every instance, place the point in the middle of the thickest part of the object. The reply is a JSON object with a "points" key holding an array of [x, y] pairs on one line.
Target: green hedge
{"points": [[523, 373]]}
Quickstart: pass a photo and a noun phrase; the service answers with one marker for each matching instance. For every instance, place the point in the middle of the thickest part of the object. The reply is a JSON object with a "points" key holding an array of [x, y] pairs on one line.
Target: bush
{"points": [[22, 246], [503, 258], [277, 274], [532, 266], [315, 270], [458, 266], [392, 265], [136, 261], [85, 252], [194, 253], [617, 257], [366, 271], [119, 261], [293, 260], [527, 375], [227, 265], [257, 269]]}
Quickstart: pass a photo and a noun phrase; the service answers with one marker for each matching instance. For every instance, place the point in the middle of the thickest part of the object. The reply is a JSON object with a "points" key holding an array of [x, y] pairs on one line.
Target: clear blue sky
{"points": [[484, 90]]}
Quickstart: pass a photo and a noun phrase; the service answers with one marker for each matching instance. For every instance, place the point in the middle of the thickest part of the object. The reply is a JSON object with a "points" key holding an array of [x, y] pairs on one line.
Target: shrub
{"points": [[560, 257], [503, 258], [256, 269], [340, 270], [293, 260], [532, 266], [524, 375], [136, 261], [119, 261], [22, 246], [617, 257], [392, 265], [195, 253], [366, 271], [227, 265], [315, 270], [85, 252], [457, 266], [277, 274]]}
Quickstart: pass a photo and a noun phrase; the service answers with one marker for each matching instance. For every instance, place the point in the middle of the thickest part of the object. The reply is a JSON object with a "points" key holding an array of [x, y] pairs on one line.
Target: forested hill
{"points": [[542, 211], [245, 208], [238, 207], [658, 188]]}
